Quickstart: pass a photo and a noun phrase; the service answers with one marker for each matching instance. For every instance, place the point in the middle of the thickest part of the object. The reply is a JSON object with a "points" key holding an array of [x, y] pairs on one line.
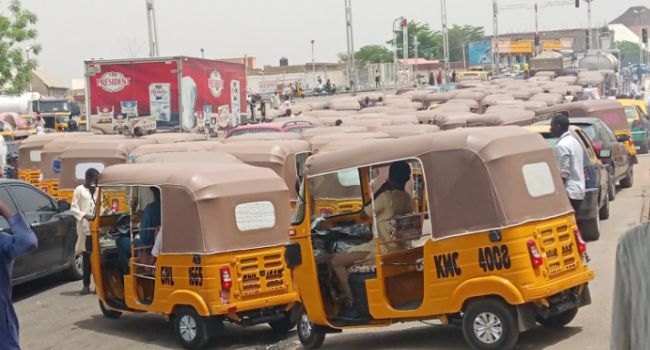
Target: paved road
{"points": [[53, 316]]}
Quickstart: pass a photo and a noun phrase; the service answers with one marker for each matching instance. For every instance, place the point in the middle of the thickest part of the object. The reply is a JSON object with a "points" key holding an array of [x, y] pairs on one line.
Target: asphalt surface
{"points": [[54, 316]]}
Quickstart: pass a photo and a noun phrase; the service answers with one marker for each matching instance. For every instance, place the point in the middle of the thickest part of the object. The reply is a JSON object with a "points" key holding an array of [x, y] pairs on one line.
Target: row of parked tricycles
{"points": [[255, 232]]}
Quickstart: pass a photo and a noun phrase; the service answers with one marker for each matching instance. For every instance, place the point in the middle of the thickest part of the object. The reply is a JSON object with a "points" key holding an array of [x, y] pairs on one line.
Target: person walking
{"points": [[453, 76], [82, 208], [439, 76], [19, 241], [569, 157], [377, 79], [432, 79]]}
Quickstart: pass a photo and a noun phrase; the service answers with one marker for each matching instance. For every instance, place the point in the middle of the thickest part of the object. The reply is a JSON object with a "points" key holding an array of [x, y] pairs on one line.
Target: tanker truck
{"points": [[55, 112]]}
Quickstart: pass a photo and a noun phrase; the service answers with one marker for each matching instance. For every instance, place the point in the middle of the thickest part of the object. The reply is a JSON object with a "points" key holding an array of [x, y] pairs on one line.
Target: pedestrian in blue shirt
{"points": [[19, 241]]}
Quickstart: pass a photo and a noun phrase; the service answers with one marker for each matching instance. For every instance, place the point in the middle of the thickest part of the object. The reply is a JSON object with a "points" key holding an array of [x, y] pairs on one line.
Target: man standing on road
{"points": [[82, 207], [19, 241], [569, 157], [377, 79]]}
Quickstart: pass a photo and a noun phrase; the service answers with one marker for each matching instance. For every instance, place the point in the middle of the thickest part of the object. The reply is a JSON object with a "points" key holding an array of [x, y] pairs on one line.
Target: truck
{"points": [[55, 112], [551, 61], [177, 93]]}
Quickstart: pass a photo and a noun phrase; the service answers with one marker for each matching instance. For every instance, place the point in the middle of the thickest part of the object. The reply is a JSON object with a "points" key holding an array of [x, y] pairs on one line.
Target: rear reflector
{"points": [[226, 280], [535, 257], [580, 243]]}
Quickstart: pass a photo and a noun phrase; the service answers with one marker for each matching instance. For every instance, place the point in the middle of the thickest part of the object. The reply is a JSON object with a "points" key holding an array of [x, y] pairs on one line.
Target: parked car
{"points": [[595, 206], [612, 152], [55, 229], [296, 126], [636, 113]]}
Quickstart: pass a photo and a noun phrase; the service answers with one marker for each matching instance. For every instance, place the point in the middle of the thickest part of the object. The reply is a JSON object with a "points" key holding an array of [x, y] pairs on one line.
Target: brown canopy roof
{"points": [[172, 137], [36, 143], [317, 142], [309, 133], [475, 179], [512, 116], [206, 196], [610, 112], [279, 156], [171, 147], [186, 157], [101, 151], [408, 130], [260, 136]]}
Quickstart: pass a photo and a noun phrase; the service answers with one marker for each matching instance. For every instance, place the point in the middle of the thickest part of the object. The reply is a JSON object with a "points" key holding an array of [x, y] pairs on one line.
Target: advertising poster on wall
{"points": [[160, 101], [207, 116], [480, 53], [235, 103]]}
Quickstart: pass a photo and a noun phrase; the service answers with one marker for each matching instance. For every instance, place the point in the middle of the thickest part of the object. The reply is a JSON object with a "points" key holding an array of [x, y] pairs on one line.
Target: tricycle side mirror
{"points": [[606, 153], [623, 138], [63, 206]]}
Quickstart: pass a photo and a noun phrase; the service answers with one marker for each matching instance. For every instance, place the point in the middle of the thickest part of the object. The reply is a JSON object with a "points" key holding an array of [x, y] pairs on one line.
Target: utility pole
{"points": [[313, 63], [536, 32], [638, 20], [497, 57], [417, 68], [405, 42], [350, 38], [395, 21], [445, 37], [590, 31], [153, 32]]}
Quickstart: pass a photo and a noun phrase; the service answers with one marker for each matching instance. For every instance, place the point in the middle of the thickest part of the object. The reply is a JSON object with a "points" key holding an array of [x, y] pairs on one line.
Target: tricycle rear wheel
{"points": [[490, 324], [559, 320], [190, 328]]}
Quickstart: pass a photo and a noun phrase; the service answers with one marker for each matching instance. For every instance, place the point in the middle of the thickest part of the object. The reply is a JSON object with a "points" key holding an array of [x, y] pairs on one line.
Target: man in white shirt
{"points": [[569, 157], [82, 208]]}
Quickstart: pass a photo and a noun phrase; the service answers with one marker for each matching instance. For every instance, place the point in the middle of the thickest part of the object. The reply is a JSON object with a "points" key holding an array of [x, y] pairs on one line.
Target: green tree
{"points": [[374, 54], [629, 52], [459, 37], [17, 38], [429, 41]]}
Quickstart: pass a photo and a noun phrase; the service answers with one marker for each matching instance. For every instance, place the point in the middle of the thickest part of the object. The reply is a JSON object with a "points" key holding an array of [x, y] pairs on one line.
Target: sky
{"points": [[72, 31]]}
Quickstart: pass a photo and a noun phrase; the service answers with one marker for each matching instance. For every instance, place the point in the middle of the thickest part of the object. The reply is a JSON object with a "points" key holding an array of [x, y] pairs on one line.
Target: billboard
{"points": [[480, 52]]}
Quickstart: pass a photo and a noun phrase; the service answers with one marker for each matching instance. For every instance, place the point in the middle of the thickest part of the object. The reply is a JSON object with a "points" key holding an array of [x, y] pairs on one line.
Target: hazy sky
{"points": [[74, 30]]}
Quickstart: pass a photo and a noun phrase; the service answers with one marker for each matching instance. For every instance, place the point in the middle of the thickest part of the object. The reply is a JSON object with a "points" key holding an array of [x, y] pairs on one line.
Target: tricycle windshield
{"points": [[336, 193]]}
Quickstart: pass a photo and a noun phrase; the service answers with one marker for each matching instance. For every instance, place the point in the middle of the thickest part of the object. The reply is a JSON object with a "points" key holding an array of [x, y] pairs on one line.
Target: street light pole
{"points": [[495, 23], [590, 33], [417, 68], [445, 36], [350, 39], [405, 43], [638, 20], [536, 31], [313, 63], [395, 21]]}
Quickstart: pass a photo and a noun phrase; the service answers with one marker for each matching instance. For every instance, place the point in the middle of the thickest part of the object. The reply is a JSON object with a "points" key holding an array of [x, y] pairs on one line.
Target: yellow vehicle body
{"points": [[210, 273], [633, 102], [426, 274], [439, 292]]}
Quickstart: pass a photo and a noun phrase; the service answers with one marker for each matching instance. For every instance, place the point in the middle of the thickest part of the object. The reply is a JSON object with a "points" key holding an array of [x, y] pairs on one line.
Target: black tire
{"points": [[611, 185], [628, 181], [190, 328], [604, 210], [310, 335], [560, 320], [76, 270], [495, 313], [643, 148], [283, 326], [590, 229], [108, 313]]}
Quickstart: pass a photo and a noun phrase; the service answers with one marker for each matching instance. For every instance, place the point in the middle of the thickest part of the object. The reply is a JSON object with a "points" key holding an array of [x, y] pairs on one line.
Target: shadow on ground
{"points": [[153, 329]]}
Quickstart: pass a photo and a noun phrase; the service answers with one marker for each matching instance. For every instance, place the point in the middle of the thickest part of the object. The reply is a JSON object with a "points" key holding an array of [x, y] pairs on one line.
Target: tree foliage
{"points": [[431, 44], [629, 52], [374, 54], [17, 38]]}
